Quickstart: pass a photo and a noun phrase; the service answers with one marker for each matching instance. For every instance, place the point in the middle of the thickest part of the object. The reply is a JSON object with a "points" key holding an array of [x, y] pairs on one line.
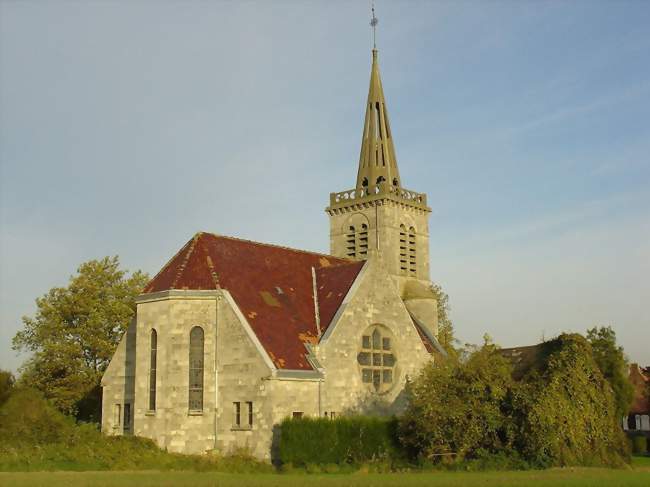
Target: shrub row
{"points": [[36, 436], [321, 441]]}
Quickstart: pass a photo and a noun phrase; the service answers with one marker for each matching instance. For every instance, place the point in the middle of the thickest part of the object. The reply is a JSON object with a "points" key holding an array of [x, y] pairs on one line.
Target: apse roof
{"points": [[272, 286]]}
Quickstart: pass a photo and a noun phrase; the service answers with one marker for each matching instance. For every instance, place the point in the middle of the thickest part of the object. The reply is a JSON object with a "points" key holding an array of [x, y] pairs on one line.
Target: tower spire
{"points": [[377, 161]]}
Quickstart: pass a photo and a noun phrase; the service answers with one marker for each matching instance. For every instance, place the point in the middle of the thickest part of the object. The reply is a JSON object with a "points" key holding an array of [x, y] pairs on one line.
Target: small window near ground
{"points": [[127, 417], [250, 413], [297, 414], [237, 414], [117, 413]]}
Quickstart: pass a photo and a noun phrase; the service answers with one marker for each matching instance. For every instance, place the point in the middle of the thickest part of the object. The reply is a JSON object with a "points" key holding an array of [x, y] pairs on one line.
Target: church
{"points": [[233, 336]]}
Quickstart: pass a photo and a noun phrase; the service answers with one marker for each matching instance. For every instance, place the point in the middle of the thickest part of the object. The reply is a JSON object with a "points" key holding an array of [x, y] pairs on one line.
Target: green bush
{"points": [[565, 410], [36, 436], [320, 441], [561, 411], [6, 385], [640, 445]]}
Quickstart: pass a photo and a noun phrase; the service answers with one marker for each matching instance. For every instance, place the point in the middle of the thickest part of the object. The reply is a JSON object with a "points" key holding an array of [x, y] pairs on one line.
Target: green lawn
{"points": [[578, 477]]}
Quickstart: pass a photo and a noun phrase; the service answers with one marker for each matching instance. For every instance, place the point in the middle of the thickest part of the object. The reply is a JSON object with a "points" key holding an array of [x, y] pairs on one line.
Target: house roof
{"points": [[272, 286], [640, 379], [523, 358]]}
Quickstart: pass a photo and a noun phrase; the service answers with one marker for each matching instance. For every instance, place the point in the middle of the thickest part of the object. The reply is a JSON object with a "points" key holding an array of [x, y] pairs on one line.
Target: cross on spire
{"points": [[373, 23]]}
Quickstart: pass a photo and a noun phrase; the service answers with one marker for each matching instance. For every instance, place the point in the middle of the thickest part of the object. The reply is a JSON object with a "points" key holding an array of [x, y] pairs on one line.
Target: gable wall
{"points": [[241, 374], [376, 301]]}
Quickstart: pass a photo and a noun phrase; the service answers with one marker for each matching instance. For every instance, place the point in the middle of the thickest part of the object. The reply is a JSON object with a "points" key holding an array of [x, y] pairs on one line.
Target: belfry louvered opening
{"points": [[356, 241], [403, 257], [412, 261]]}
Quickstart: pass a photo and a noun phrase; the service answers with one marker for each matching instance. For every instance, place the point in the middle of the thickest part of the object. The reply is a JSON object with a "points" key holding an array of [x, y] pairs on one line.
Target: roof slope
{"points": [[640, 379], [272, 286]]}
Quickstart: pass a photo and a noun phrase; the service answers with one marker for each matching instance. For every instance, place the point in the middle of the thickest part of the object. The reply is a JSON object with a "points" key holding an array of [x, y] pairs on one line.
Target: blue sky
{"points": [[125, 127]]}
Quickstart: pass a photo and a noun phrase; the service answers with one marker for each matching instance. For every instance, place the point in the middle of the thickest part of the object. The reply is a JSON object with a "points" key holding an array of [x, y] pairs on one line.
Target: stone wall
{"points": [[172, 425]]}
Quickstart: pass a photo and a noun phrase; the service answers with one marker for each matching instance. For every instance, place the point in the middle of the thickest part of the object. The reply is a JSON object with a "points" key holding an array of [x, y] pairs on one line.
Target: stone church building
{"points": [[233, 336]]}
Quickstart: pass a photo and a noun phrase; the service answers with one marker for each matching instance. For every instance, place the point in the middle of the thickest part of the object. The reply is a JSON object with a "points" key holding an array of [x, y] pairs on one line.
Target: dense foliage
{"points": [[613, 365], [355, 439], [6, 385], [565, 409], [560, 412], [456, 408], [75, 332], [36, 436]]}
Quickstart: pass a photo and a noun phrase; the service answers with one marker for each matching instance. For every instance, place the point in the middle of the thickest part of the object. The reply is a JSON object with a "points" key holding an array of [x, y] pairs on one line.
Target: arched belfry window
{"points": [[196, 369], [152, 369], [356, 238], [403, 257], [412, 249], [351, 242]]}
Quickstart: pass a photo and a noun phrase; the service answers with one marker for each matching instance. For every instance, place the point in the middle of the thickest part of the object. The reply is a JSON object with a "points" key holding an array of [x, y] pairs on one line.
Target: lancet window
{"points": [[152, 369], [196, 369]]}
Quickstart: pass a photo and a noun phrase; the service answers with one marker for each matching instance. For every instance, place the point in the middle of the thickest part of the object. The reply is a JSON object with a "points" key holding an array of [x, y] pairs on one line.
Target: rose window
{"points": [[377, 360]]}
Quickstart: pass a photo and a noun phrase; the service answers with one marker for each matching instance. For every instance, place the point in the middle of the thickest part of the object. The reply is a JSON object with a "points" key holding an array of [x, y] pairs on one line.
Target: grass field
{"points": [[639, 476]]}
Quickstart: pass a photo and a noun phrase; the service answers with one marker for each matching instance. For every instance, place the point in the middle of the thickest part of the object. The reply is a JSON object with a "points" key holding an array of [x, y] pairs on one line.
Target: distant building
{"points": [[638, 420], [233, 336]]}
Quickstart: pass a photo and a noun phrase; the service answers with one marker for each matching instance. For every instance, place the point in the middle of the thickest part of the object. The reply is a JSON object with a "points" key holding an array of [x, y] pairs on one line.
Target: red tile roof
{"points": [[271, 285]]}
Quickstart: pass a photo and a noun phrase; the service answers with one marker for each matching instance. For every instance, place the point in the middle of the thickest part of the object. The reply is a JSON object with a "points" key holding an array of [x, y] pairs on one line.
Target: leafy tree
{"points": [[457, 407], [613, 365], [75, 332], [6, 385], [446, 336]]}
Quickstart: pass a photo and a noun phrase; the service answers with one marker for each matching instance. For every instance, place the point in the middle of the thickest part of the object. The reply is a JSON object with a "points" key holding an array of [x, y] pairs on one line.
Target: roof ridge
{"points": [[239, 239], [169, 261]]}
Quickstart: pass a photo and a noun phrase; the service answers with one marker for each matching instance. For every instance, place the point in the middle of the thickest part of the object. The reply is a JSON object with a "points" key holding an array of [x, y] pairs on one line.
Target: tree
{"points": [[75, 332], [446, 336], [613, 365], [6, 385]]}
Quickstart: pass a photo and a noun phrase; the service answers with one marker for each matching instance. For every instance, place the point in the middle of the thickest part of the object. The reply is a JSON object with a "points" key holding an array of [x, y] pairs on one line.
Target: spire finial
{"points": [[373, 23]]}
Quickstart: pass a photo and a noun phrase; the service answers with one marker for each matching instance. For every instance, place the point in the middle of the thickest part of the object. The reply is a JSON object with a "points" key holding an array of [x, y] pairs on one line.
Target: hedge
{"points": [[640, 445], [321, 441]]}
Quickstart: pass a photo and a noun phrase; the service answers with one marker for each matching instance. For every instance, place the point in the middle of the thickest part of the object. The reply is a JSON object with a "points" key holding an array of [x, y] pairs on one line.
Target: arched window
{"points": [[196, 369], [403, 257], [152, 370], [412, 248]]}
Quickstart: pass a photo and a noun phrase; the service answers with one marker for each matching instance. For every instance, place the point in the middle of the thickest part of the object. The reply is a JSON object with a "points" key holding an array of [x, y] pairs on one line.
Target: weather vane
{"points": [[373, 23]]}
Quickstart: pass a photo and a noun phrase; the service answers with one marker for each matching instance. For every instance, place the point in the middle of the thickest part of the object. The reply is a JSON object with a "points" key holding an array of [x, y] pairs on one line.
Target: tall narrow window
{"points": [[152, 370], [196, 369], [411, 247], [403, 265]]}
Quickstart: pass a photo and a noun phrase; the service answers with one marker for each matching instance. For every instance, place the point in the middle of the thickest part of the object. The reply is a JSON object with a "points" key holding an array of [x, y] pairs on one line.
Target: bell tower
{"points": [[379, 214]]}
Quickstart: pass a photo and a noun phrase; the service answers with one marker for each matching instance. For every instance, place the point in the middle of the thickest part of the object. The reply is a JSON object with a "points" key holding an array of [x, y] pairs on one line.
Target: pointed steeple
{"points": [[377, 162]]}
